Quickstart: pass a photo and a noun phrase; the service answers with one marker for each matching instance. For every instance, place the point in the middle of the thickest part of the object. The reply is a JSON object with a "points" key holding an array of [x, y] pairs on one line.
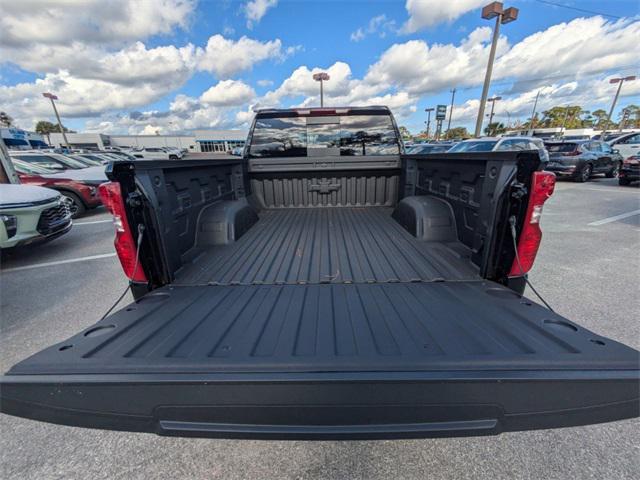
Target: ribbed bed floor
{"points": [[328, 245]]}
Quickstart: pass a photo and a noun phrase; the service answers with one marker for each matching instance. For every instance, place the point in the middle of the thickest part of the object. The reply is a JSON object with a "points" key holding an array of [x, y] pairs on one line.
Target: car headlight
{"points": [[93, 191], [10, 224]]}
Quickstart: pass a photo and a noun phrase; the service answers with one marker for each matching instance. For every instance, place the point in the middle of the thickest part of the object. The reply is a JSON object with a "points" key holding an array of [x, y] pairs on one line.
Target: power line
{"points": [[569, 7]]}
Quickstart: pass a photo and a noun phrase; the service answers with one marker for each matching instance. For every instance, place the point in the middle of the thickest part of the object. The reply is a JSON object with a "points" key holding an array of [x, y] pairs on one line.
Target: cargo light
{"points": [[111, 195], [542, 185]]}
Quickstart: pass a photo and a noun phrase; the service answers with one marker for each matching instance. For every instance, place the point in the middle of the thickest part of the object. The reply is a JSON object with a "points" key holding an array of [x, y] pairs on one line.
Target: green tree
{"points": [[494, 128], [630, 116], [456, 132], [600, 118], [44, 127], [568, 116], [405, 133]]}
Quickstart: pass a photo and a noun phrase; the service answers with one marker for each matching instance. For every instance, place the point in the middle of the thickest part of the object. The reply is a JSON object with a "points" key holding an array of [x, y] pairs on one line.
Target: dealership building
{"points": [[217, 141]]}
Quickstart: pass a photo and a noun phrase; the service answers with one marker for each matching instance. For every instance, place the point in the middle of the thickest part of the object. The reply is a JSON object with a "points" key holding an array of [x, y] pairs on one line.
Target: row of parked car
{"points": [[70, 177], [577, 159]]}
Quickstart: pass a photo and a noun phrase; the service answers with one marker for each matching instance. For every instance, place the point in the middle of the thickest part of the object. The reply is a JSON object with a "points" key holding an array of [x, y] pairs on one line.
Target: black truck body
{"points": [[328, 288]]}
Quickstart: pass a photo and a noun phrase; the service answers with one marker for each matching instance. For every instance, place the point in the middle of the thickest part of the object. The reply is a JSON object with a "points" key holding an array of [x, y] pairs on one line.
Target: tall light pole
{"points": [[428, 110], [493, 101], [321, 77], [533, 114], [453, 96], [564, 120], [502, 16], [52, 97], [619, 81]]}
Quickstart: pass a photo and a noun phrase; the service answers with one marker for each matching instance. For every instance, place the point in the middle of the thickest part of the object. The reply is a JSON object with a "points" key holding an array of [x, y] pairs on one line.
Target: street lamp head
{"points": [[509, 15], [321, 76], [50, 95], [492, 10], [429, 109], [628, 79]]}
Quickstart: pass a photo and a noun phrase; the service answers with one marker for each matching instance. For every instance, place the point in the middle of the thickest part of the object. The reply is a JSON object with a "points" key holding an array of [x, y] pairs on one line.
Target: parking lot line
{"points": [[94, 222], [60, 262], [614, 218]]}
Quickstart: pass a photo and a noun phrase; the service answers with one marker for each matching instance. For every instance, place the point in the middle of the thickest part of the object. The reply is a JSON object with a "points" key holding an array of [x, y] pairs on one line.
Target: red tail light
{"points": [[111, 195], [542, 185]]}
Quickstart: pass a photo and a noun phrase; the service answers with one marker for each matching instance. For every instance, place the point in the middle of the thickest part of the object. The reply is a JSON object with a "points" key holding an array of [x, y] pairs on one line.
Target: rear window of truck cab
{"points": [[319, 135]]}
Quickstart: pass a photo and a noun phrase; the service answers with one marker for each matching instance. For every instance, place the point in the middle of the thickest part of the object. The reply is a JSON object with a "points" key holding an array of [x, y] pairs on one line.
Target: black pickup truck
{"points": [[328, 286]]}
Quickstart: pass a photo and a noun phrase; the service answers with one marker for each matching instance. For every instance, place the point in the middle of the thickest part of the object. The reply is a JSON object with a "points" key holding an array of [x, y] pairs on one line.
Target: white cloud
{"points": [[423, 68], [228, 93], [592, 93], [99, 81], [265, 82], [77, 97], [225, 57], [427, 13], [358, 35], [256, 9], [379, 24], [59, 22], [579, 46]]}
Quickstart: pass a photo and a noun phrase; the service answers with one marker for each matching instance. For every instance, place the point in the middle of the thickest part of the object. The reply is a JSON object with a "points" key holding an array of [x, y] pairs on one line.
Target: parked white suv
{"points": [[501, 144], [627, 144], [156, 153]]}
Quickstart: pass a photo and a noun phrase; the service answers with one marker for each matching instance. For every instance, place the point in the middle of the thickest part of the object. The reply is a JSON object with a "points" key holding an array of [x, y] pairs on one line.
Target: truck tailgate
{"points": [[329, 361]]}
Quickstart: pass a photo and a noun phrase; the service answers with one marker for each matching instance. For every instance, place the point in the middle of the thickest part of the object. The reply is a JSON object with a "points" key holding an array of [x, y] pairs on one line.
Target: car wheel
{"points": [[76, 207], [585, 173], [624, 181], [613, 173], [173, 157]]}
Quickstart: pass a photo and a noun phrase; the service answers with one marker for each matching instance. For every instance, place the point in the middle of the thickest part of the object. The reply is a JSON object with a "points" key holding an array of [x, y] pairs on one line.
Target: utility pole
{"points": [[619, 81], [624, 119], [321, 77], [428, 110], [493, 104], [564, 120], [502, 16], [52, 97], [533, 115], [453, 96]]}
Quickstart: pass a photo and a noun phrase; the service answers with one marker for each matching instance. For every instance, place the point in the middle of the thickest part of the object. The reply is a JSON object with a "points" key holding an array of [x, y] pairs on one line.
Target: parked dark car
{"points": [[580, 160], [630, 170]]}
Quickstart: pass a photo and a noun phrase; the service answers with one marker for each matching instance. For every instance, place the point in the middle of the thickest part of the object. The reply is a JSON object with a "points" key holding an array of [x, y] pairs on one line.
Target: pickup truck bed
{"points": [[328, 245], [331, 328]]}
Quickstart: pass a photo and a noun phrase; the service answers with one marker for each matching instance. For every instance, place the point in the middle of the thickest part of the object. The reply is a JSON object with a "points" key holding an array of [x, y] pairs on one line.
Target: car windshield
{"points": [[58, 162], [474, 146], [345, 135], [438, 148], [88, 159], [561, 147], [29, 168]]}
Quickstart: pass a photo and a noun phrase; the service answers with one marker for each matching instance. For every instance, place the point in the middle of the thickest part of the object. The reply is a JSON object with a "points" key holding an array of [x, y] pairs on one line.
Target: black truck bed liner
{"points": [[470, 326], [328, 245]]}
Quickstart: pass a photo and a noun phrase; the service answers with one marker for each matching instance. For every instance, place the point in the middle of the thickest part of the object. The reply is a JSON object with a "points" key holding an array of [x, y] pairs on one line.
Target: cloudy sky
{"points": [[137, 66]]}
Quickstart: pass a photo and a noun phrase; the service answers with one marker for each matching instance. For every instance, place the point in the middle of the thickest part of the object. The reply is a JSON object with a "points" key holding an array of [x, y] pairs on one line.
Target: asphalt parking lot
{"points": [[588, 269]]}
